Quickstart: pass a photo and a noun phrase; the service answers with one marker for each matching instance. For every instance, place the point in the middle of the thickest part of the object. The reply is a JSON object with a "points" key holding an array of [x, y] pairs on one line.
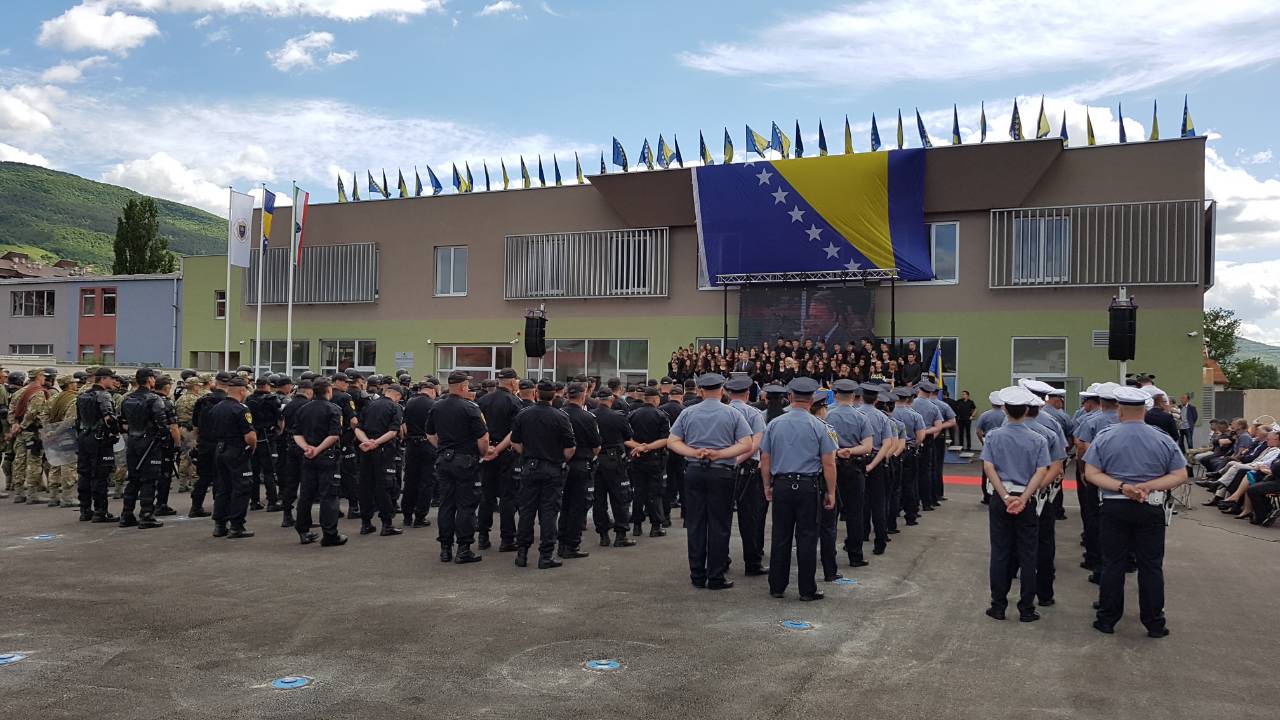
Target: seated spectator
{"points": [[1258, 497], [1235, 478]]}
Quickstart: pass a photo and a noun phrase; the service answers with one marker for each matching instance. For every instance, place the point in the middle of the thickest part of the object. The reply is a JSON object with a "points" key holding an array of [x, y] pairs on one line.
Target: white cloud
{"points": [[89, 26], [349, 10], [217, 36], [881, 42], [70, 72], [546, 8], [1262, 157], [1252, 290], [164, 176], [202, 21], [28, 109], [498, 8], [306, 52], [9, 153], [1248, 207]]}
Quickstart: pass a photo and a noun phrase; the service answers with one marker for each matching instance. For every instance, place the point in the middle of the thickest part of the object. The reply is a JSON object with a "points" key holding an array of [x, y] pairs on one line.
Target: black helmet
{"points": [[188, 373], [308, 375], [17, 377], [80, 375], [244, 369]]}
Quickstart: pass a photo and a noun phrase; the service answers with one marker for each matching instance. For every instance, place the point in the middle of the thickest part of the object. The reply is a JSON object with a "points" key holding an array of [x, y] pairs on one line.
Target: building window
{"points": [[625, 359], [273, 357], [109, 302], [944, 250], [361, 355], [30, 349], [219, 304], [108, 354], [31, 303], [630, 256], [88, 303], [589, 264], [1039, 356], [451, 270], [548, 262], [949, 358], [87, 352], [1041, 249], [478, 361]]}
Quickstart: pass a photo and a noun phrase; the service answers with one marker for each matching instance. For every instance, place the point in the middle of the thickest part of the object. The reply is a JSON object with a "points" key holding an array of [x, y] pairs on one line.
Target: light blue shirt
{"points": [[927, 409], [1065, 422], [1094, 423], [1133, 452], [795, 443], [754, 418], [989, 420], [711, 424], [911, 422], [1017, 452], [1049, 429], [851, 426], [877, 424]]}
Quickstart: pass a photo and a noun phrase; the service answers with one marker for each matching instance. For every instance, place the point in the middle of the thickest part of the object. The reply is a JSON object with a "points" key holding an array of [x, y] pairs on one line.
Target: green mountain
{"points": [[1246, 349], [54, 215]]}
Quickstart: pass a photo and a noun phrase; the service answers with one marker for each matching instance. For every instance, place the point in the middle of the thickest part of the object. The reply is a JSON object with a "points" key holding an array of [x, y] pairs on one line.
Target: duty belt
{"points": [[614, 450]]}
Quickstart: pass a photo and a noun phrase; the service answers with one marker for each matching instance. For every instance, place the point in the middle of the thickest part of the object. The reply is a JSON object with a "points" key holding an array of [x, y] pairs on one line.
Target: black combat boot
{"points": [[446, 552], [220, 530], [128, 519], [333, 540], [547, 561], [390, 530], [522, 557], [287, 521], [239, 532], [466, 556], [197, 512], [484, 543], [148, 521]]}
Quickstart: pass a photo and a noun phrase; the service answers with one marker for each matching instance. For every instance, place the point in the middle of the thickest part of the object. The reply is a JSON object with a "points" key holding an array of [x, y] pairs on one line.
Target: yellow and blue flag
{"points": [[665, 153], [619, 156], [459, 182], [506, 181], [646, 154], [436, 187], [955, 125], [1120, 112], [935, 364], [1088, 129], [355, 188], [386, 190], [555, 164], [756, 141], [840, 212], [875, 134], [1042, 122], [703, 152], [1188, 127], [542, 176], [485, 163], [1155, 123], [373, 185], [524, 174], [848, 137], [728, 147], [982, 123], [1015, 123], [403, 186], [799, 141], [471, 185], [269, 210], [577, 164], [822, 140], [924, 135], [342, 197], [900, 129], [1062, 134], [417, 182], [780, 142]]}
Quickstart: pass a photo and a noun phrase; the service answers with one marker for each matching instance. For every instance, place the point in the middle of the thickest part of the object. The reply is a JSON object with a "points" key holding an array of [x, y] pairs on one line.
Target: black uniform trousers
{"points": [[233, 485], [1258, 501], [1089, 500], [143, 455], [289, 460], [206, 471], [613, 490], [348, 467], [1129, 529], [927, 491], [851, 498], [264, 467], [319, 478], [673, 493], [962, 427], [541, 491], [378, 483], [579, 492], [419, 478], [498, 493], [748, 493], [708, 512], [1013, 544], [458, 478], [910, 483], [796, 505], [1047, 551], [873, 510], [647, 489], [95, 462], [892, 492], [939, 461], [165, 482]]}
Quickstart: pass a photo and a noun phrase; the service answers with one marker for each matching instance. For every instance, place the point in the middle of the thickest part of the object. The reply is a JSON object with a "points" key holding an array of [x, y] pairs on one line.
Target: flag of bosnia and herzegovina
{"points": [[839, 212]]}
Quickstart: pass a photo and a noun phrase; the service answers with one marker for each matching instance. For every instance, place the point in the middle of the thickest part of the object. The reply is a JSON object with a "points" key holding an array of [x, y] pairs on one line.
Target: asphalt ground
{"points": [[171, 623]]}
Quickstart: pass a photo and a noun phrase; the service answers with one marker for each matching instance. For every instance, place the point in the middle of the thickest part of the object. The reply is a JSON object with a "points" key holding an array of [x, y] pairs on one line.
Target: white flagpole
{"points": [[226, 313], [293, 243], [262, 259]]}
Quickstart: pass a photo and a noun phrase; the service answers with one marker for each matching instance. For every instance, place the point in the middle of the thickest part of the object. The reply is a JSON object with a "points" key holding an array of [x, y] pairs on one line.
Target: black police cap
{"points": [[237, 381], [546, 386], [354, 375], [575, 389], [604, 395], [223, 376], [104, 372], [457, 377], [187, 373], [143, 374], [526, 384], [652, 392], [507, 374]]}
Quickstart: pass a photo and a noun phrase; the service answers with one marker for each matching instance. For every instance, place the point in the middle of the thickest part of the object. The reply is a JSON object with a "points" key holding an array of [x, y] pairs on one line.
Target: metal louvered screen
{"points": [[328, 274], [603, 263], [1101, 338]]}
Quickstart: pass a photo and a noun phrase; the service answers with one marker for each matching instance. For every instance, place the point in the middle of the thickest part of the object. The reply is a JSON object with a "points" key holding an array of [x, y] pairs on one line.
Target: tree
{"points": [[139, 248], [1253, 374], [1221, 328]]}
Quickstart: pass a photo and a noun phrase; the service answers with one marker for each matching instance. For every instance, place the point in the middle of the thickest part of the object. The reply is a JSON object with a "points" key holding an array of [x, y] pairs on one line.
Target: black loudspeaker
{"points": [[535, 336], [1123, 331]]}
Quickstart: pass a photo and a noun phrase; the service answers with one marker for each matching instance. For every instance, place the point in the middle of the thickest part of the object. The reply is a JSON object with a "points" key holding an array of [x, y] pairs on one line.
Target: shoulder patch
{"points": [[248, 416]]}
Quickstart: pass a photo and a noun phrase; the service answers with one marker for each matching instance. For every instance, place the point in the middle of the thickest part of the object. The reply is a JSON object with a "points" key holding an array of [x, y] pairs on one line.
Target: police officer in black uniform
{"points": [[264, 405], [170, 449], [288, 454], [648, 462], [231, 425], [544, 438], [497, 481], [206, 445], [457, 430], [419, 457], [613, 488], [579, 488], [316, 428], [347, 455], [147, 423], [97, 430], [379, 436]]}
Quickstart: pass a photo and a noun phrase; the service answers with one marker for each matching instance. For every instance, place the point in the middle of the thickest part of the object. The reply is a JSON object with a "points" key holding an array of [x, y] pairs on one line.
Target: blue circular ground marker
{"points": [[602, 665], [847, 581], [43, 536], [291, 682], [11, 658], [797, 625]]}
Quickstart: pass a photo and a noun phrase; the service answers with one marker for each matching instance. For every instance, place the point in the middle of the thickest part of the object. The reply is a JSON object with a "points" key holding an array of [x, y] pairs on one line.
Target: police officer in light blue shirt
{"points": [[855, 435], [798, 469], [876, 506], [914, 428], [748, 492], [710, 435], [1045, 414], [940, 450], [1134, 466], [933, 439], [1089, 426], [1016, 460], [1046, 547], [986, 422]]}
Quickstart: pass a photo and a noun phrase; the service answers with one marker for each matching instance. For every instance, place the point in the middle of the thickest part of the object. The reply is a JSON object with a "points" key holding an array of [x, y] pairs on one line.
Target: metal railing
{"points": [[328, 274], [1147, 243], [593, 264]]}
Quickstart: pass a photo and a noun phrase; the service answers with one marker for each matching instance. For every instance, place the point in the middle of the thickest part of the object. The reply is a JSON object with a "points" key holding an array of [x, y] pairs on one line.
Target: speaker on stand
{"points": [[535, 333]]}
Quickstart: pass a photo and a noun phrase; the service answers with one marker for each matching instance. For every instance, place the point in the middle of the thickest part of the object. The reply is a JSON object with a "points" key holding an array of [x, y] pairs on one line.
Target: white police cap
{"points": [[1107, 390], [1152, 391], [1016, 395], [1091, 391], [1130, 396], [994, 398], [1058, 392]]}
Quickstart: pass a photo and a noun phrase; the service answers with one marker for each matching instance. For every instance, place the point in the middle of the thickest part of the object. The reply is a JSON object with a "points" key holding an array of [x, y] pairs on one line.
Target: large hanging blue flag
{"points": [[1188, 127], [780, 142], [875, 134], [756, 141], [728, 147], [703, 152], [799, 141], [841, 212], [924, 135], [1120, 112], [417, 182], [955, 125], [619, 156], [436, 187], [822, 141], [646, 155], [542, 176]]}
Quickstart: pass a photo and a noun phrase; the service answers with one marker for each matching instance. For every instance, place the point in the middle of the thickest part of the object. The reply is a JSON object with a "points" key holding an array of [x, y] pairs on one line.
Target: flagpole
{"points": [[293, 238], [262, 258], [226, 313]]}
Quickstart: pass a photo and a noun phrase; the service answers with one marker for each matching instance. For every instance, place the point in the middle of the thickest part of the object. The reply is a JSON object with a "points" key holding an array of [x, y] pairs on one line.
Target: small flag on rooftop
{"points": [[1188, 127]]}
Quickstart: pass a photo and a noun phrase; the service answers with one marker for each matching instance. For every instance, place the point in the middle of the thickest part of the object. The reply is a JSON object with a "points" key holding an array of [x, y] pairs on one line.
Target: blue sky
{"points": [[180, 98]]}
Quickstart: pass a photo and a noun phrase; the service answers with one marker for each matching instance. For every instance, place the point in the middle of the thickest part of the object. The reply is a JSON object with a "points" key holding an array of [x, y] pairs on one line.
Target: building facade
{"points": [[1030, 241], [126, 319]]}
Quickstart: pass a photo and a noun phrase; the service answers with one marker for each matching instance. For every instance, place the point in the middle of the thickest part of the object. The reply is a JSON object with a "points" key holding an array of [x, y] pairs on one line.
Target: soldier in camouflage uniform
{"points": [[63, 479], [8, 384], [121, 473], [185, 405], [28, 460]]}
